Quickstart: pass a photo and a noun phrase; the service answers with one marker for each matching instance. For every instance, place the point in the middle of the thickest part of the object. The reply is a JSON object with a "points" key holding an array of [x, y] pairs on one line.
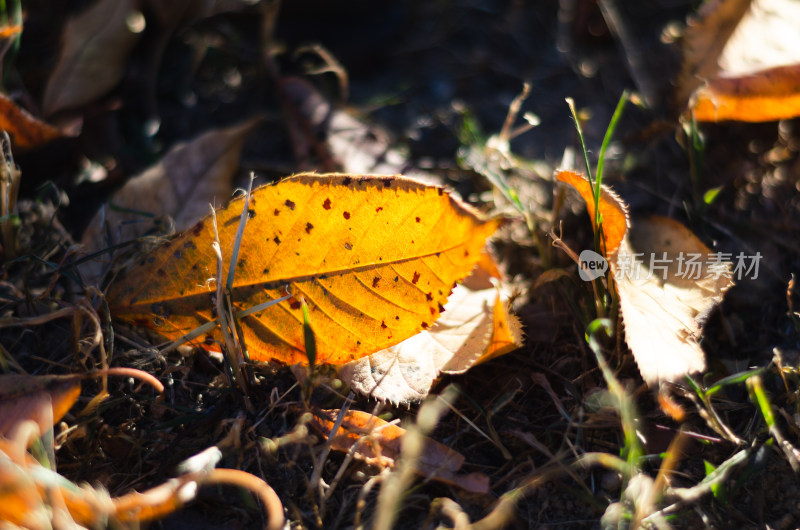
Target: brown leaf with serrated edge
{"points": [[95, 47], [475, 327], [181, 186], [27, 132], [374, 257], [662, 310], [379, 443]]}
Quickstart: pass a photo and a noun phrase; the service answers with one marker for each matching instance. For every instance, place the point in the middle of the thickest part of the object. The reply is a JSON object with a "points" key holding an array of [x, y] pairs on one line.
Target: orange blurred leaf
{"points": [[379, 443], [95, 46], [767, 95], [668, 282], [27, 132], [741, 61], [375, 258], [10, 31], [41, 398], [475, 326]]}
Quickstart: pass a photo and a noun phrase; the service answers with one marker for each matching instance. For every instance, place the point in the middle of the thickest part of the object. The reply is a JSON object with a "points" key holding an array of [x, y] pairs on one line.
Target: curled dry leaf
{"points": [[180, 187], [475, 326], [27, 132], [379, 443], [95, 46], [375, 258], [742, 61], [668, 282]]}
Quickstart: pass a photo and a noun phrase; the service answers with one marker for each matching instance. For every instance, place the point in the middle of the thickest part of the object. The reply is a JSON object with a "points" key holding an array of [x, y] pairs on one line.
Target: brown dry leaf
{"points": [[742, 61], [95, 46], [375, 258], [27, 132], [191, 176], [475, 327], [668, 282], [379, 443], [349, 144]]}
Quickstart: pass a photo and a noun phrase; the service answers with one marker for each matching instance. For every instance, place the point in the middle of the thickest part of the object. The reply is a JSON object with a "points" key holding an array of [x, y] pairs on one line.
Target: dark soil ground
{"points": [[415, 70]]}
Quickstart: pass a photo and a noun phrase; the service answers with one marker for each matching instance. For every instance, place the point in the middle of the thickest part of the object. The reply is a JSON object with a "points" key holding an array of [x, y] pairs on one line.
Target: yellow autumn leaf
{"points": [[375, 258]]}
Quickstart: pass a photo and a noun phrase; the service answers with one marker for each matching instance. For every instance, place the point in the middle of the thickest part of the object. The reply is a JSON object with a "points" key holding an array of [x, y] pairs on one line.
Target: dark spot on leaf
{"points": [[375, 281], [378, 209], [424, 325], [290, 204], [347, 181], [348, 246], [387, 182], [383, 324], [251, 213], [466, 253], [397, 317], [441, 308], [323, 276], [277, 240], [415, 279], [189, 244], [428, 296], [358, 343], [433, 311], [396, 278], [276, 212], [197, 229], [418, 219], [177, 254], [240, 263], [441, 191], [346, 215], [412, 241], [309, 226], [294, 304], [327, 204]]}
